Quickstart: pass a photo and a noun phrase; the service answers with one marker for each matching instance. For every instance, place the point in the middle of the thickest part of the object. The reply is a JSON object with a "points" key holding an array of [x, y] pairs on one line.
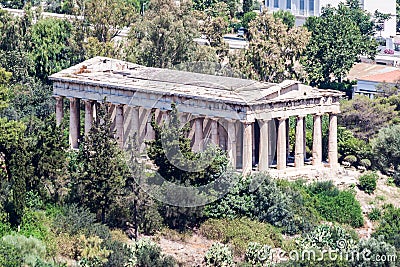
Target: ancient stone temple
{"points": [[248, 119]]}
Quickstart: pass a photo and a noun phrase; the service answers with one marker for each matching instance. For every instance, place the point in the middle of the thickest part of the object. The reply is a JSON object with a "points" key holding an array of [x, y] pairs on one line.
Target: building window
{"points": [[311, 5], [301, 4], [276, 3], [267, 3], [288, 4]]}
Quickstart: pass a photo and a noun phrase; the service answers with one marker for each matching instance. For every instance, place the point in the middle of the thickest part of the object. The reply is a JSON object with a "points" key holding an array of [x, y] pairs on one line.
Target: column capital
{"points": [[282, 118], [247, 122], [319, 114], [302, 116]]}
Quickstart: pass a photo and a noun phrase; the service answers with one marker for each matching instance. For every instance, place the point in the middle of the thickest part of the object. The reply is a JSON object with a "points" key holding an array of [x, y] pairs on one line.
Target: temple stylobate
{"points": [[248, 119]]}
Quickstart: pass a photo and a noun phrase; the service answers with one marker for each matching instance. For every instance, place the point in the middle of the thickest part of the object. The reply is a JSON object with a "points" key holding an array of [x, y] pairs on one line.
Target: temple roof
{"points": [[107, 72]]}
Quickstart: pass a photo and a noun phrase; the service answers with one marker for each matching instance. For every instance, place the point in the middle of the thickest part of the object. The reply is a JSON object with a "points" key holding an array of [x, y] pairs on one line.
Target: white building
{"points": [[305, 8]]}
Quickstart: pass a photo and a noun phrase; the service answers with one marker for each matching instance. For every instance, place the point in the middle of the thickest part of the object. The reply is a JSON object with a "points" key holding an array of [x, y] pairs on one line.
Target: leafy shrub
{"points": [[29, 249], [374, 252], [33, 200], [37, 224], [375, 214], [239, 232], [389, 226], [281, 206], [333, 237], [145, 252], [92, 253], [257, 254], [74, 220], [67, 245], [335, 205], [5, 227], [365, 163], [386, 147], [218, 255], [120, 254], [368, 182], [237, 203], [9, 256], [350, 159], [396, 178]]}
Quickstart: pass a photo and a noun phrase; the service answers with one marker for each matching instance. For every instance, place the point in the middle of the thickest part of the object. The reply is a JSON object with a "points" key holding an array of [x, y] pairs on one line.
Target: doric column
{"points": [[287, 139], [317, 141], [198, 135], [299, 145], [263, 163], [164, 117], [232, 143], [74, 122], [150, 133], [119, 125], [88, 115], [214, 132], [305, 139], [281, 145], [59, 109], [247, 147], [135, 122], [332, 149]]}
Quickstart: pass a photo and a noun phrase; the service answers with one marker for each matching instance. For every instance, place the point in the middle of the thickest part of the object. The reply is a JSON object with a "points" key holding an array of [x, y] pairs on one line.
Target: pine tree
{"points": [[50, 160], [101, 167], [177, 163], [20, 171]]}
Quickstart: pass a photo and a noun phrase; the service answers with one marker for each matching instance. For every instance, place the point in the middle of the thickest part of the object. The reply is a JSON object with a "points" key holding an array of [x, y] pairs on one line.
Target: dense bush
{"points": [[238, 202], [386, 147], [145, 252], [272, 202], [335, 205], [374, 252], [91, 252], [368, 182], [27, 249], [375, 214], [257, 254], [218, 255], [389, 226], [119, 253], [333, 237], [9, 256], [350, 159], [239, 232]]}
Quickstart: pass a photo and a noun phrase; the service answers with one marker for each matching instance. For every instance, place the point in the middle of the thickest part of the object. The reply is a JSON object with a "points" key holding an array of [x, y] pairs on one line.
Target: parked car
{"points": [[241, 32]]}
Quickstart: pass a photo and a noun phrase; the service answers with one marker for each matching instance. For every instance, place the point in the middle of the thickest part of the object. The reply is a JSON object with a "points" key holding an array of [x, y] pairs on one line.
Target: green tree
{"points": [[50, 47], [50, 160], [247, 18], [273, 50], [247, 4], [365, 116], [104, 19], [14, 150], [386, 148], [287, 18], [214, 27], [101, 168], [164, 36], [338, 37], [177, 163]]}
